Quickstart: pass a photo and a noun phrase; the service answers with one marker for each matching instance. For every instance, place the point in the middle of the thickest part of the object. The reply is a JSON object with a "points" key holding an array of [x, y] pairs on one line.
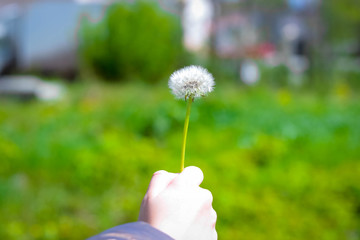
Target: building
{"points": [[42, 35]]}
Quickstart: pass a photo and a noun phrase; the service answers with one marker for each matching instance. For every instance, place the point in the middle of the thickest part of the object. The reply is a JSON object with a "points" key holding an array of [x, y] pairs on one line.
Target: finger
{"points": [[207, 196], [190, 176], [215, 235], [213, 217], [159, 181]]}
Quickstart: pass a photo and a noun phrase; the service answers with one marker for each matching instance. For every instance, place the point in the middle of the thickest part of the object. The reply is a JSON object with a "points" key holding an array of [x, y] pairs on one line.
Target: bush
{"points": [[133, 40]]}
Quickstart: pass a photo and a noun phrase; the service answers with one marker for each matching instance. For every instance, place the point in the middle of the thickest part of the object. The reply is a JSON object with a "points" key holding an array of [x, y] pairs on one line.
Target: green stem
{"points": [[186, 126]]}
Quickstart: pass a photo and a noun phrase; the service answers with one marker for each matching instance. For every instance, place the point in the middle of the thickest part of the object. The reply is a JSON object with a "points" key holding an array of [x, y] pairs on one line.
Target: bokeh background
{"points": [[86, 116]]}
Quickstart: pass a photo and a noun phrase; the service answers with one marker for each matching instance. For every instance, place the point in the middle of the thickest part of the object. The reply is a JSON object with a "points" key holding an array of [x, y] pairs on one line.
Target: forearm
{"points": [[132, 231]]}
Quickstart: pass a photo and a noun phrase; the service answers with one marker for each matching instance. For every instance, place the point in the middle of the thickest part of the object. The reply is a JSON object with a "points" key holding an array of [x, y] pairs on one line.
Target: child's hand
{"points": [[176, 205]]}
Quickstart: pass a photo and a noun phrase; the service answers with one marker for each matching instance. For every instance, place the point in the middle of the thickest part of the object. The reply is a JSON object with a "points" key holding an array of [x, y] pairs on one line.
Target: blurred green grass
{"points": [[281, 165]]}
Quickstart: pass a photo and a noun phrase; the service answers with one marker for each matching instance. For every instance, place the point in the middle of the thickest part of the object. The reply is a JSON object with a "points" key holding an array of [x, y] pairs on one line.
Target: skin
{"points": [[175, 204]]}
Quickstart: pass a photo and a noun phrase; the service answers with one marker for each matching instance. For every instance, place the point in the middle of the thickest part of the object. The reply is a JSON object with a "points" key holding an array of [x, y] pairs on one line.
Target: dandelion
{"points": [[189, 83]]}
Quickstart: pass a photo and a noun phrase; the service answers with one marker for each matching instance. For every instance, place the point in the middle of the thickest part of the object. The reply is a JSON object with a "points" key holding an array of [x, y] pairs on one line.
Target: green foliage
{"points": [[342, 18], [280, 165], [134, 39]]}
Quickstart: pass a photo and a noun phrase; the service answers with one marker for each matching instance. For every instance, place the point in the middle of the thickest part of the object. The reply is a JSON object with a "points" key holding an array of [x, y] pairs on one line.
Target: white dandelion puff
{"points": [[191, 82]]}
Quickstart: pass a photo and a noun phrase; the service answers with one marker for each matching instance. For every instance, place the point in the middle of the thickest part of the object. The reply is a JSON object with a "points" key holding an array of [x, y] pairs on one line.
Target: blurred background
{"points": [[86, 116]]}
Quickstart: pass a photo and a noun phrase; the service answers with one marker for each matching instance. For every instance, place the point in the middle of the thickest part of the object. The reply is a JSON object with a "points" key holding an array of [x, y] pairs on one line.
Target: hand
{"points": [[177, 206]]}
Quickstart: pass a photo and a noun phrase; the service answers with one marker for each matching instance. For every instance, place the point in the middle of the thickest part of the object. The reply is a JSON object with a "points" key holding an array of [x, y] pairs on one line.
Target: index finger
{"points": [[160, 180]]}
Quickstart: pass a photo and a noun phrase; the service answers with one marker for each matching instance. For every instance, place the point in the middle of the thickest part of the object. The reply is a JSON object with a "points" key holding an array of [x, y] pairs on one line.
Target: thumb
{"points": [[159, 181], [190, 176]]}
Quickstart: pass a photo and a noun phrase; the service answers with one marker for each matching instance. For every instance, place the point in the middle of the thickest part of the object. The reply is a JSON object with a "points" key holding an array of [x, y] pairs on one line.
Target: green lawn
{"points": [[280, 165]]}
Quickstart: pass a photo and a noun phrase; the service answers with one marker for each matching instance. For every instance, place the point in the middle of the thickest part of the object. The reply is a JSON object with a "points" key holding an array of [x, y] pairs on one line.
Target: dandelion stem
{"points": [[186, 126]]}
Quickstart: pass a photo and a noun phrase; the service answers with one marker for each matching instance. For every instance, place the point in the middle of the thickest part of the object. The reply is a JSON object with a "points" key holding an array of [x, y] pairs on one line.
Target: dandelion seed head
{"points": [[191, 82]]}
